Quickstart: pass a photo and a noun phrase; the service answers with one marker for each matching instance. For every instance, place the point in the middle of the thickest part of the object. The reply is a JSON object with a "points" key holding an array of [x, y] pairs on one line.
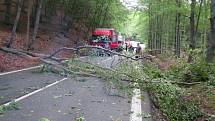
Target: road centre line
{"points": [[136, 107], [34, 92], [16, 71]]}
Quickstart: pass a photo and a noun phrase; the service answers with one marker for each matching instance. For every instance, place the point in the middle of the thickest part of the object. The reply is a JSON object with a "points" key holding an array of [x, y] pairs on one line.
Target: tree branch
{"points": [[99, 48]]}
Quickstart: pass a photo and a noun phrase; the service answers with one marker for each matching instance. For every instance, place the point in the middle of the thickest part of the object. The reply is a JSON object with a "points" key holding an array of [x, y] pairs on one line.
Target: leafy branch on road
{"points": [[79, 118], [11, 106], [44, 119], [166, 95]]}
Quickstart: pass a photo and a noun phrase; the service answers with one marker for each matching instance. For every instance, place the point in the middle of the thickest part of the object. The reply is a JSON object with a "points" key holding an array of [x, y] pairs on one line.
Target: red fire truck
{"points": [[105, 37]]}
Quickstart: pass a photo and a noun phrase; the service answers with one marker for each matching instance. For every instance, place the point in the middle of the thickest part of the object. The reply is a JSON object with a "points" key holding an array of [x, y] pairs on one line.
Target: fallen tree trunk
{"points": [[14, 51], [41, 58], [29, 54]]}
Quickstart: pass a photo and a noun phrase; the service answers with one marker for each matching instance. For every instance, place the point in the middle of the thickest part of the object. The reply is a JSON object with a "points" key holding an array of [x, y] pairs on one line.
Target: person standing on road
{"points": [[138, 49], [126, 47]]}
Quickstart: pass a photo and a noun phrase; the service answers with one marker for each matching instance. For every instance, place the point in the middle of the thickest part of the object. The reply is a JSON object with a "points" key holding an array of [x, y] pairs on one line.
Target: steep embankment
{"points": [[50, 37]]}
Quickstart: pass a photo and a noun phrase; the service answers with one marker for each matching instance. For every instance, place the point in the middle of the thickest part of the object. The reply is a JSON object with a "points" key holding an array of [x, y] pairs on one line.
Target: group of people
{"points": [[130, 48]]}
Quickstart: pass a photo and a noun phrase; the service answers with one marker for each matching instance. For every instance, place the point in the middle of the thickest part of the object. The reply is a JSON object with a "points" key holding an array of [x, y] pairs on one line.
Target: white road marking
{"points": [[107, 59], [34, 92], [16, 71], [82, 57], [136, 108], [104, 62]]}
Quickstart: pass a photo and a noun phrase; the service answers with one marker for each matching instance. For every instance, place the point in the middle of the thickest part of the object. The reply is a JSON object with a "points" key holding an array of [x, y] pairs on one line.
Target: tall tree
{"points": [[150, 27], [192, 45], [177, 32], [7, 18], [13, 34], [36, 25], [211, 36], [29, 18]]}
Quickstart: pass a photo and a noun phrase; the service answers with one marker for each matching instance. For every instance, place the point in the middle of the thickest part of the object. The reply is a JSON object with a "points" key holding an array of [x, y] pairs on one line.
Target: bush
{"points": [[168, 97], [170, 101], [198, 71]]}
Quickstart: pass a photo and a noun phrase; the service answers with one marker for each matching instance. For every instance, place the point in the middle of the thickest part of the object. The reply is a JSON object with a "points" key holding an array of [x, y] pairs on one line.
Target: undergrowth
{"points": [[171, 93], [169, 98], [197, 71]]}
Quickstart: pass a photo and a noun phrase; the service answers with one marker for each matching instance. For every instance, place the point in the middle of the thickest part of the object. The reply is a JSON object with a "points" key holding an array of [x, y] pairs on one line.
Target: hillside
{"points": [[50, 37]]}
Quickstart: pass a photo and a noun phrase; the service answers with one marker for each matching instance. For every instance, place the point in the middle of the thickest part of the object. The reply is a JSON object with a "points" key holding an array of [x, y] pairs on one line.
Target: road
{"points": [[50, 96]]}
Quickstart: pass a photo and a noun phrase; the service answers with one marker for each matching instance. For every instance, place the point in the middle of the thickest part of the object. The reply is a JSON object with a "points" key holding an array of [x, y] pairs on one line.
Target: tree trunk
{"points": [[211, 36], [192, 30], [7, 18], [13, 34], [205, 32], [199, 15], [29, 19], [150, 29], [36, 25], [34, 12], [177, 32]]}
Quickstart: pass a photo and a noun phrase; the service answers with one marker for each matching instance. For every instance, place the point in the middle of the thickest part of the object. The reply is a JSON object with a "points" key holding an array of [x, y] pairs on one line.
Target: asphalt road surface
{"points": [[50, 96]]}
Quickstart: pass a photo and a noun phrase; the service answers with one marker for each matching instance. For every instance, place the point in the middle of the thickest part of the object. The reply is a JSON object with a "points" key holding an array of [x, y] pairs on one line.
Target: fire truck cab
{"points": [[105, 37]]}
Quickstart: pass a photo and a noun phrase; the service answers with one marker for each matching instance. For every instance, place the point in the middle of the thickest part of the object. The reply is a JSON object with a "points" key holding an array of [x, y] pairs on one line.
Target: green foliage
{"points": [[152, 71], [136, 24], [12, 106], [44, 119], [176, 71], [80, 118], [198, 71], [158, 23], [91, 13], [211, 80], [168, 97], [170, 101]]}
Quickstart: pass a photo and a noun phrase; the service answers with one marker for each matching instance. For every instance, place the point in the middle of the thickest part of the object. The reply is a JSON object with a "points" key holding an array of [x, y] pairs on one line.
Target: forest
{"points": [[178, 71]]}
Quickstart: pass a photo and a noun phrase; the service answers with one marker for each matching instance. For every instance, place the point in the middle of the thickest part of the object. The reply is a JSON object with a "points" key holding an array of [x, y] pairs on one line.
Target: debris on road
{"points": [[44, 119]]}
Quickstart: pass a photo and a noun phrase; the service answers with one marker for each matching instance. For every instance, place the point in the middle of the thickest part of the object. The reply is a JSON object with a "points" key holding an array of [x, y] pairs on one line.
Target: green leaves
{"points": [[198, 71], [12, 106], [44, 119], [80, 118], [171, 103], [170, 99], [91, 13]]}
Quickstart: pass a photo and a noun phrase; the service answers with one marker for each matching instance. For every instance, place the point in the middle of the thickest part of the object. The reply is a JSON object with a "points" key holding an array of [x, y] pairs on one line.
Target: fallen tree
{"points": [[58, 62], [124, 75], [76, 50]]}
